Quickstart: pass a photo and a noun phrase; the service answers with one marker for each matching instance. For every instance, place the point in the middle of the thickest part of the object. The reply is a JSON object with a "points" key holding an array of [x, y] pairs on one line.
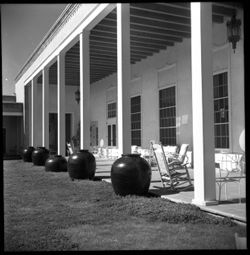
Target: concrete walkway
{"points": [[231, 207]]}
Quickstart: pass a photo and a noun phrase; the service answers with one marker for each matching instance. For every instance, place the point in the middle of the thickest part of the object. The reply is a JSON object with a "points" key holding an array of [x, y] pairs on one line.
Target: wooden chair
{"points": [[169, 175]]}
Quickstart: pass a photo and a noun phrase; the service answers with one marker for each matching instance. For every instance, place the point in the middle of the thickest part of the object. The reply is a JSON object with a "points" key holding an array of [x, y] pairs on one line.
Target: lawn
{"points": [[46, 211]]}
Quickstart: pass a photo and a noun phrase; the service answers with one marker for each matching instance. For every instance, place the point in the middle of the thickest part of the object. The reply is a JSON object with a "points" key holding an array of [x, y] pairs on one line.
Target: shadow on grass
{"points": [[100, 177], [168, 191]]}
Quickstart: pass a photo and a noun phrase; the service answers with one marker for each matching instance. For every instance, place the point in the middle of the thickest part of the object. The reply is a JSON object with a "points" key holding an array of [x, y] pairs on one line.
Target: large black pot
{"points": [[56, 163], [81, 165], [27, 154], [39, 156], [131, 175]]}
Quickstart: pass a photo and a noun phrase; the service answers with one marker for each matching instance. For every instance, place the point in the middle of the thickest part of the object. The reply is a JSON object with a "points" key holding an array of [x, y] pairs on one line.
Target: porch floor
{"points": [[231, 207]]}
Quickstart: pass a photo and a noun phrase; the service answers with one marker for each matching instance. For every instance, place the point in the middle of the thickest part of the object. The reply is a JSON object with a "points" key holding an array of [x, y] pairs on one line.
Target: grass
{"points": [[46, 211]]}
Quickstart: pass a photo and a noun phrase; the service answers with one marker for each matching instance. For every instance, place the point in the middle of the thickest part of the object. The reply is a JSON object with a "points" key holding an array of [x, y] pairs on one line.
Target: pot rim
{"points": [[83, 150], [131, 155]]}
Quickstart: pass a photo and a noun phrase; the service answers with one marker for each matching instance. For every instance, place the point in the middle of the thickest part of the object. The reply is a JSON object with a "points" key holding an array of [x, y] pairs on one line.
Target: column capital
{"points": [[84, 32], [45, 68]]}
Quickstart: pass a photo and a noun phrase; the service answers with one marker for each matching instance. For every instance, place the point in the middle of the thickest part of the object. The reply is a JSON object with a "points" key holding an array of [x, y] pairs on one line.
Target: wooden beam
{"points": [[161, 24], [162, 31], [158, 16], [151, 41], [103, 34], [148, 45], [142, 34], [226, 11], [104, 28], [162, 8]]}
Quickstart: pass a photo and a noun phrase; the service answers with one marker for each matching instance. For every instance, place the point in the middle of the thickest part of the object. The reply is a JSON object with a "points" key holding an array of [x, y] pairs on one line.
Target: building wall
{"points": [[71, 23], [14, 134], [71, 106], [173, 67], [168, 67]]}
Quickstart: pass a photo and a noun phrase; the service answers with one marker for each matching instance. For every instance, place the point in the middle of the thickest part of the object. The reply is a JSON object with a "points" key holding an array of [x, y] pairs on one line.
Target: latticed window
{"points": [[221, 111], [111, 110], [167, 105], [136, 120]]}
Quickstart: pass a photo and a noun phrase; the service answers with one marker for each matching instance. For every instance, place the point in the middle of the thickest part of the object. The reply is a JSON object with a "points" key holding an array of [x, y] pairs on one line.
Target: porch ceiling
{"points": [[153, 27]]}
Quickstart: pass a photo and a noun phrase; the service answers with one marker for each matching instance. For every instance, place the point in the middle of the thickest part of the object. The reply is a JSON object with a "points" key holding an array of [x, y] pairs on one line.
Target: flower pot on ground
{"points": [[81, 165], [131, 175], [39, 156], [56, 163], [27, 154]]}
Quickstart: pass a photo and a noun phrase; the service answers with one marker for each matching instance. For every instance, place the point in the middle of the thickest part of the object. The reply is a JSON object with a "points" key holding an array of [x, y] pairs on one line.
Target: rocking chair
{"points": [[168, 174]]}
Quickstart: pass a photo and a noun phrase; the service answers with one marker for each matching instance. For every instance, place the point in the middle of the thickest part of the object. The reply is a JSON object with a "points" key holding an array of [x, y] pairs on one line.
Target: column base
{"points": [[204, 202]]}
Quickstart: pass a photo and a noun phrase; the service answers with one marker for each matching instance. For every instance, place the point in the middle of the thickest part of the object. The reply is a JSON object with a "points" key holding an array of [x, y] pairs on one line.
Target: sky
{"points": [[23, 26]]}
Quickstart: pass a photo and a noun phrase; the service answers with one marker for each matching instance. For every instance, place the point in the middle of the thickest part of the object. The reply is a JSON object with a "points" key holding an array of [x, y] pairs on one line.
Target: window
{"points": [[167, 107], [136, 120], [221, 112], [111, 110]]}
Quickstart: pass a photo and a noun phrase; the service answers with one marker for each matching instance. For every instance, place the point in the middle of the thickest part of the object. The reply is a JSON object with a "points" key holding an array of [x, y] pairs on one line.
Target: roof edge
{"points": [[46, 39]]}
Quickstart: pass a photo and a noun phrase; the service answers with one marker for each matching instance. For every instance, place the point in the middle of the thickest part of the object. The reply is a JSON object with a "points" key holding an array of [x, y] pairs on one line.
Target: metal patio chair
{"points": [[229, 170], [168, 174], [69, 149]]}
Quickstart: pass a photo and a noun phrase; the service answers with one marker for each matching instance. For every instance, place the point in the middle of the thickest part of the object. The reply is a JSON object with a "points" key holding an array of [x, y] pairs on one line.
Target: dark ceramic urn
{"points": [[39, 156], [56, 163], [131, 175], [27, 154], [81, 165]]}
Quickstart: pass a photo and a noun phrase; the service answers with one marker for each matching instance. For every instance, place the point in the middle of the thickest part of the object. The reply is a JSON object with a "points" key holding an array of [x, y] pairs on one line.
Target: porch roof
{"points": [[153, 27]]}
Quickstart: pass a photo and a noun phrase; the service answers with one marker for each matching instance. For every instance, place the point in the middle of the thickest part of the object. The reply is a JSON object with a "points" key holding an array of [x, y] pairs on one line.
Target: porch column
{"points": [[123, 79], [61, 143], [45, 108], [34, 113], [84, 91], [202, 103]]}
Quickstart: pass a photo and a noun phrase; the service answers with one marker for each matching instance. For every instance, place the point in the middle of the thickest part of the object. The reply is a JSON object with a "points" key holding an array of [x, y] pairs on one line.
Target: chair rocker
{"points": [[169, 175]]}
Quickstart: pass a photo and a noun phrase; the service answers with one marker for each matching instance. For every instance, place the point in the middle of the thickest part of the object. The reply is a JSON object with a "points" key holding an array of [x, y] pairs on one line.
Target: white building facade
{"points": [[155, 71]]}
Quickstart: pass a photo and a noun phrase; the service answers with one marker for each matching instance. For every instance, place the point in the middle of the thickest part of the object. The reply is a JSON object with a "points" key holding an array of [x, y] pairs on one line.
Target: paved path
{"points": [[231, 207]]}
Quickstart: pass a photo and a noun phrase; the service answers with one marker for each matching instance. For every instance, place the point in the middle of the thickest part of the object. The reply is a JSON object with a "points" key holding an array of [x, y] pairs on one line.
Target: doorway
{"points": [[53, 130], [94, 133], [112, 134], [4, 141]]}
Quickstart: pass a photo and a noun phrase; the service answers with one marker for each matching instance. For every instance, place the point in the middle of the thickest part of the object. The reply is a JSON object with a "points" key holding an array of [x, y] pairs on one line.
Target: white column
{"points": [[123, 79], [202, 103], [61, 142], [84, 90], [34, 113], [45, 108]]}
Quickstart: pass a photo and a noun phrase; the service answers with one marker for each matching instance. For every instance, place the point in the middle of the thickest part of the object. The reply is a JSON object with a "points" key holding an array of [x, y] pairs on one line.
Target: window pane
{"points": [[109, 135], [112, 110], [221, 111], [135, 104], [167, 116]]}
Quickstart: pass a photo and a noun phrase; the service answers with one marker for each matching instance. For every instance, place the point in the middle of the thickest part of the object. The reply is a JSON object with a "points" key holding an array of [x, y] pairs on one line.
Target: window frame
{"points": [[176, 109], [226, 70], [137, 95], [107, 110]]}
